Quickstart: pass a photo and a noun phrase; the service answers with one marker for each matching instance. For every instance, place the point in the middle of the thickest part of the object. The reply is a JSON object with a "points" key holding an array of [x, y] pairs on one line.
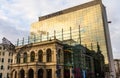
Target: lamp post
{"points": [[111, 62]]}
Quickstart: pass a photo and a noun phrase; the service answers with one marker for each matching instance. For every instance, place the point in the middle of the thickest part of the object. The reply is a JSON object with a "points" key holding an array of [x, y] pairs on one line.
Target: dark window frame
{"points": [[49, 55], [32, 56], [40, 56]]}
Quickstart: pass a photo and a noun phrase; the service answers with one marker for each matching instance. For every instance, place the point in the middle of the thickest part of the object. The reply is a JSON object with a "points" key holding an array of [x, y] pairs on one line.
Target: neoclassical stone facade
{"points": [[56, 59], [38, 60]]}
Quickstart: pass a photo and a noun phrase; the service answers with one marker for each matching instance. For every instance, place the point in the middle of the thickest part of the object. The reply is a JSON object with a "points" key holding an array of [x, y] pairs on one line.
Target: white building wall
{"points": [[7, 56]]}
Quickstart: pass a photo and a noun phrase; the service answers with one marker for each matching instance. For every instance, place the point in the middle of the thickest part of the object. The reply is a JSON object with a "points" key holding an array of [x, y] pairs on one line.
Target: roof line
{"points": [[75, 8]]}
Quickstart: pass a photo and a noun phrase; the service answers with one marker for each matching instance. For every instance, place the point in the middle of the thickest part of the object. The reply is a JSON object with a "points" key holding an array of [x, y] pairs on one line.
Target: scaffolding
{"points": [[81, 62], [62, 35]]}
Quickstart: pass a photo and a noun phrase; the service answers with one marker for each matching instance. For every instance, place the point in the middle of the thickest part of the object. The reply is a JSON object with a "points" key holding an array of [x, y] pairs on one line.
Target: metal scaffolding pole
{"points": [[79, 34], [23, 41], [17, 42], [62, 35]]}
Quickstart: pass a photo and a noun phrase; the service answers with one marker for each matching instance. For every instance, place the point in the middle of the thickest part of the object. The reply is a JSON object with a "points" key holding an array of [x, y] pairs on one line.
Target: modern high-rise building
{"points": [[88, 24]]}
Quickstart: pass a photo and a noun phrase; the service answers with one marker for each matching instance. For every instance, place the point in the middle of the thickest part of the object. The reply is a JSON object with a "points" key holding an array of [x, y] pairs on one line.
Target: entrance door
{"points": [[49, 73], [40, 73], [22, 74], [31, 73]]}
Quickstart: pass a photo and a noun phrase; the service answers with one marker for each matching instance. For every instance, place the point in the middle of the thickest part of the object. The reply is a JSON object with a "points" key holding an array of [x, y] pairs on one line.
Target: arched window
{"points": [[67, 57], [49, 55], [40, 56], [18, 58], [32, 56], [25, 57]]}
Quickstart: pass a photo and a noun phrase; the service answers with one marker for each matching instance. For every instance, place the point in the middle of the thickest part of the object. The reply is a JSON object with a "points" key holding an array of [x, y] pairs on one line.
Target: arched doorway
{"points": [[14, 74], [40, 73], [22, 74], [31, 73]]}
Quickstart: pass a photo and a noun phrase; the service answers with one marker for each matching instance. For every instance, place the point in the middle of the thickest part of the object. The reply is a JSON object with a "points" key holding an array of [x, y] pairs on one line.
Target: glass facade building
{"points": [[87, 24], [89, 18]]}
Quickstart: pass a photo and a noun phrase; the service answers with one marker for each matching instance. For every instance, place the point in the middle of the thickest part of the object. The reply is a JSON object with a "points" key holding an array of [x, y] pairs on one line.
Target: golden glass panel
{"points": [[90, 21]]}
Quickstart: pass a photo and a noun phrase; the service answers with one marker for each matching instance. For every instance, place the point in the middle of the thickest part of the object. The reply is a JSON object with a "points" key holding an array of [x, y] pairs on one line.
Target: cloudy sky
{"points": [[16, 17]]}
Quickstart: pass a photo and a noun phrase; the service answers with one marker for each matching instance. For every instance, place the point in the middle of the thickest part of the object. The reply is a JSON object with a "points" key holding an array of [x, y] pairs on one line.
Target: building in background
{"points": [[117, 67], [6, 54], [88, 23]]}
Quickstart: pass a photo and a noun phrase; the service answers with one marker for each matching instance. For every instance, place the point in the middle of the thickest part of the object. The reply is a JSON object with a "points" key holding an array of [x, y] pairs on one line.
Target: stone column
{"points": [[44, 73], [36, 57], [54, 74], [44, 55], [35, 73], [28, 57], [10, 74], [26, 73], [54, 55], [13, 74], [18, 74]]}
